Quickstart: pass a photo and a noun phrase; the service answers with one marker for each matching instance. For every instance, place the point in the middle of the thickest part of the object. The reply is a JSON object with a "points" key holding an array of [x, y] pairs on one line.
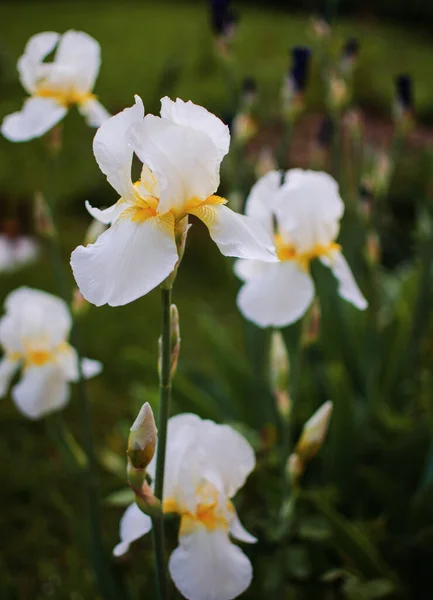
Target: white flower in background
{"points": [[34, 333], [307, 209], [181, 153], [16, 252], [206, 464], [56, 86]]}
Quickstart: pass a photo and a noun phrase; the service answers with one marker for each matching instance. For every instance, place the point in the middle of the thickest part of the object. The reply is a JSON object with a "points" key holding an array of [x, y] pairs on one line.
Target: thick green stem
{"points": [[164, 409]]}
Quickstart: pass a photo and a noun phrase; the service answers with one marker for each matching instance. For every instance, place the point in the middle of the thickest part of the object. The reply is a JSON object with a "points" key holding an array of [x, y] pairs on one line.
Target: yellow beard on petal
{"points": [[39, 358], [204, 209], [65, 98], [208, 514], [289, 252]]}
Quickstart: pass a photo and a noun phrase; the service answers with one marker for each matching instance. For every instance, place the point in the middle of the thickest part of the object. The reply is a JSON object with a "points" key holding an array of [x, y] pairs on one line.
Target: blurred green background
{"points": [[373, 467]]}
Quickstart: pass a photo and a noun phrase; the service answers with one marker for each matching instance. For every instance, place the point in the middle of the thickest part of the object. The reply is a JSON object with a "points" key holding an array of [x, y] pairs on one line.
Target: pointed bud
{"points": [[280, 374], [94, 231], [79, 305], [142, 439], [311, 329], [295, 468], [266, 162], [373, 249], [54, 140], [42, 216], [175, 339], [314, 433]]}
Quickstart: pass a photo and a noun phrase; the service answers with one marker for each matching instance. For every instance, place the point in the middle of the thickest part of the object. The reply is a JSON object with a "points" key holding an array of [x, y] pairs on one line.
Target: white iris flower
{"points": [[206, 464], [181, 152], [303, 215], [16, 252], [56, 86], [34, 333]]}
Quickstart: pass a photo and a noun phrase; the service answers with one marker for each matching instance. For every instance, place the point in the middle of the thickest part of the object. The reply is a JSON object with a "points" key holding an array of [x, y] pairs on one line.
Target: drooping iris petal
{"points": [[8, 368], [126, 262], [198, 118], [133, 525], [94, 113], [107, 215], [247, 269], [238, 531], [41, 390], [112, 150], [207, 566], [37, 48], [37, 116], [184, 161], [260, 201], [280, 295], [347, 288], [67, 360], [235, 234], [80, 53]]}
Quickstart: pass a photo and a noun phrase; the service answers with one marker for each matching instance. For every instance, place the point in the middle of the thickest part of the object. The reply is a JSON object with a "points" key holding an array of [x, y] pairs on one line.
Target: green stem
{"points": [[164, 409]]}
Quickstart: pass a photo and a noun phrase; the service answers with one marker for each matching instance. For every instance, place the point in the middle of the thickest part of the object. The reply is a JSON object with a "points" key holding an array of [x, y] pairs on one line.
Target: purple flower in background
{"points": [[223, 18], [300, 68], [404, 92]]}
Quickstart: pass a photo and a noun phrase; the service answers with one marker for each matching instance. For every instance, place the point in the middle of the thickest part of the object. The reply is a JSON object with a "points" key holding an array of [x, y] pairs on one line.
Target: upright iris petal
{"points": [[33, 334], [307, 209], [206, 464], [181, 152], [56, 86]]}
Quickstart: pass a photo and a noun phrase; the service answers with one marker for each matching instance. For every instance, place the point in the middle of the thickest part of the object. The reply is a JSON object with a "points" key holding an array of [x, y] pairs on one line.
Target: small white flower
{"points": [[56, 86], [181, 153], [307, 209], [206, 464], [16, 252], [34, 333]]}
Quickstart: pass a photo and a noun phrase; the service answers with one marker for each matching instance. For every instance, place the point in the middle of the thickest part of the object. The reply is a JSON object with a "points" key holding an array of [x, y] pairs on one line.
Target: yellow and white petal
{"points": [[207, 566], [247, 269], [279, 296], [37, 116], [34, 315], [112, 150], [238, 531], [230, 458], [133, 525], [236, 235], [81, 54], [8, 368], [94, 112], [347, 286], [308, 208], [184, 161], [126, 262], [192, 115], [41, 391], [261, 199], [37, 48], [107, 215]]}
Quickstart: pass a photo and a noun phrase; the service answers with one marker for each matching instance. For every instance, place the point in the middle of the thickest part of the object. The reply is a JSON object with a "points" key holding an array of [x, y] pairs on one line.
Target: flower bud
{"points": [[311, 329], [244, 127], [373, 249], [79, 305], [295, 468], [314, 433], [42, 216], [280, 374], [338, 92], [175, 339], [142, 439], [266, 162], [94, 231]]}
